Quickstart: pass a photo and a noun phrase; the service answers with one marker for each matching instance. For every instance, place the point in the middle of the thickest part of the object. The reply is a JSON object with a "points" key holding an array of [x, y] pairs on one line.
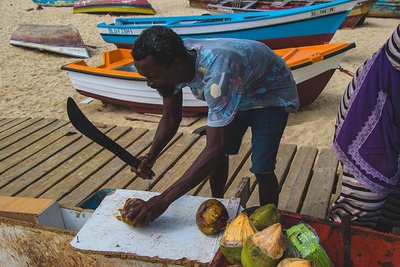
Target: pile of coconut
{"points": [[258, 240]]}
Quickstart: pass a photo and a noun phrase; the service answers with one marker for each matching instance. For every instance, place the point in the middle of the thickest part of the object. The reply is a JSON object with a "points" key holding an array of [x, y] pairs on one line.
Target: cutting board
{"points": [[173, 237]]}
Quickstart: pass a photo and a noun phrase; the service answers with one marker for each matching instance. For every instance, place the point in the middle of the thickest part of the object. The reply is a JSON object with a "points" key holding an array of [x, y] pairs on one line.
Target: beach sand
{"points": [[33, 84]]}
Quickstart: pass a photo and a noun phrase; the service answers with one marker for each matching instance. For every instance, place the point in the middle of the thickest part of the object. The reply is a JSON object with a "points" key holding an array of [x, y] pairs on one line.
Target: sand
{"points": [[33, 85]]}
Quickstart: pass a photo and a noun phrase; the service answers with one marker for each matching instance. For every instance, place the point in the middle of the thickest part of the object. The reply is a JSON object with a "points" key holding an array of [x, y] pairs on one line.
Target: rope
{"points": [[351, 74]]}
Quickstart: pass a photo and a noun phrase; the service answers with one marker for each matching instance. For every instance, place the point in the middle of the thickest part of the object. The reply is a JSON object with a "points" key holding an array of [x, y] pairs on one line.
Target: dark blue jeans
{"points": [[267, 126]]}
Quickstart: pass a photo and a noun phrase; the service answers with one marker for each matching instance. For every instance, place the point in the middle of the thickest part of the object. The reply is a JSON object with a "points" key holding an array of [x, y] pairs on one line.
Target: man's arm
{"points": [[169, 123], [215, 149], [166, 129]]}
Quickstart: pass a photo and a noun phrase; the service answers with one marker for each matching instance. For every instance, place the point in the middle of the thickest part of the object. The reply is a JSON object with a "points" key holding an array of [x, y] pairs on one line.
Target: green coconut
{"points": [[264, 248], [234, 237], [265, 216]]}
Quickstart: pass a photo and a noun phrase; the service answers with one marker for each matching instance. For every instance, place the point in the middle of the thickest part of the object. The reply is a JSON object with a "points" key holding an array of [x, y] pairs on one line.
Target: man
{"points": [[244, 83]]}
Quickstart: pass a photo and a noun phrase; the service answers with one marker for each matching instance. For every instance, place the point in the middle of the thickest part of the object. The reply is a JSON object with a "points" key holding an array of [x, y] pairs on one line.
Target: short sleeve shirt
{"points": [[235, 75]]}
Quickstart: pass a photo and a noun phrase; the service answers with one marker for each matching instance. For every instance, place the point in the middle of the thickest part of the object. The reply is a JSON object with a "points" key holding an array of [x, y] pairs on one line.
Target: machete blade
{"points": [[83, 125]]}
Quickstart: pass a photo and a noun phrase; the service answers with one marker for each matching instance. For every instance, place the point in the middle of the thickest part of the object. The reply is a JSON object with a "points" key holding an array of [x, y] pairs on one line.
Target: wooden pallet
{"points": [[48, 158]]}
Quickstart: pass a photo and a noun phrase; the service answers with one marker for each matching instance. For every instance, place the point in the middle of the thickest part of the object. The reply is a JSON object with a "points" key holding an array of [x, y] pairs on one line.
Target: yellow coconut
{"points": [[264, 248], [295, 262], [211, 217], [234, 237], [265, 216]]}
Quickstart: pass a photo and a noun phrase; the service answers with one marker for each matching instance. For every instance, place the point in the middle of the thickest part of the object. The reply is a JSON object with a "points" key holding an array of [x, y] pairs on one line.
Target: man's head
{"points": [[158, 54]]}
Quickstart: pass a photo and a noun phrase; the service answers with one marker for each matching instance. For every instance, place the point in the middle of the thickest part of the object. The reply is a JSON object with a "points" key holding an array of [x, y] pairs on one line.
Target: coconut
{"points": [[234, 237], [130, 203], [264, 248], [294, 262], [265, 216], [211, 217]]}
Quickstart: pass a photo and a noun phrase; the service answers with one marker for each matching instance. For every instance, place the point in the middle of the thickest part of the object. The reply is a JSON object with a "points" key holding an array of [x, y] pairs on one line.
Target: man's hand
{"points": [[146, 163], [141, 213]]}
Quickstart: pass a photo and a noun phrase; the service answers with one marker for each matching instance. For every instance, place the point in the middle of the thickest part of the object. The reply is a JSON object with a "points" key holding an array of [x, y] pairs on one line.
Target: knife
{"points": [[83, 125]]}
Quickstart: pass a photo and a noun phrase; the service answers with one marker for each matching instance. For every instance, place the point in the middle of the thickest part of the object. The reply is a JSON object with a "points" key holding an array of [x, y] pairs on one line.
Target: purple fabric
{"points": [[368, 139]]}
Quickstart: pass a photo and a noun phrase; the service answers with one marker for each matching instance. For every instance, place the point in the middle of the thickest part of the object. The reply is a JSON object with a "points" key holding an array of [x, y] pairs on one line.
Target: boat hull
{"points": [[357, 15], [62, 39], [311, 79], [54, 2], [277, 29], [385, 9], [114, 6]]}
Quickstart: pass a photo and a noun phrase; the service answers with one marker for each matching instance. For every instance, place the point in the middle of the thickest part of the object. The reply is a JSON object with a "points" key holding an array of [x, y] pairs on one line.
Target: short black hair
{"points": [[160, 42]]}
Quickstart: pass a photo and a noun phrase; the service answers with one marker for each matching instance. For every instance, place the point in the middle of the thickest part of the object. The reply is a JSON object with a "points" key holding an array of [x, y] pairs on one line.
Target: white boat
{"points": [[116, 81]]}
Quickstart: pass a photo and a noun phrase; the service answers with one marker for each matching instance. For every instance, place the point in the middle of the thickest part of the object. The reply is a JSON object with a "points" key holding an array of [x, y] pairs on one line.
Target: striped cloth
{"points": [[364, 207]]}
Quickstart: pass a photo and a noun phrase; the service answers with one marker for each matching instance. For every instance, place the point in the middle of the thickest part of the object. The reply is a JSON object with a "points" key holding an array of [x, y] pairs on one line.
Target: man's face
{"points": [[158, 77]]}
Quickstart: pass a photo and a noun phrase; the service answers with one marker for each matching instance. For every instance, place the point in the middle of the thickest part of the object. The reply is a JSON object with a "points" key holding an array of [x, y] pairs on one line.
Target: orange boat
{"points": [[117, 81]]}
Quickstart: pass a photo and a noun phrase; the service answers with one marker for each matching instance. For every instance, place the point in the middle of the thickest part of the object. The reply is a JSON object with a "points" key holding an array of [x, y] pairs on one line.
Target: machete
{"points": [[83, 125]]}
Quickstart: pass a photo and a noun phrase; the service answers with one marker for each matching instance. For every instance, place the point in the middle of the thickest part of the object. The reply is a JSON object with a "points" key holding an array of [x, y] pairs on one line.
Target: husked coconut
{"points": [[235, 235], [295, 262], [211, 217], [264, 248]]}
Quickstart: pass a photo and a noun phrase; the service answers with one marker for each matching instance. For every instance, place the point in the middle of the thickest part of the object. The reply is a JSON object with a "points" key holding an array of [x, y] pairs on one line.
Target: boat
{"points": [[345, 245], [117, 81], [385, 9], [58, 3], [355, 18], [357, 15], [294, 27], [114, 6], [62, 39]]}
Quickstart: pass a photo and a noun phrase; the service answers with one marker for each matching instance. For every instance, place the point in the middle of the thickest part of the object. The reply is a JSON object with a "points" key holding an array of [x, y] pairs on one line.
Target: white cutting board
{"points": [[171, 237]]}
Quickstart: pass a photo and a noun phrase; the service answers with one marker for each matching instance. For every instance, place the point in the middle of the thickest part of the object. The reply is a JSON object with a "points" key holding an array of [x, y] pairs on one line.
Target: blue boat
{"points": [[54, 2], [294, 27], [385, 9]]}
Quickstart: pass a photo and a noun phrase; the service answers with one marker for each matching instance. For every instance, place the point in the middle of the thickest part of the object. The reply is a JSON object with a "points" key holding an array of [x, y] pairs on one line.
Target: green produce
{"points": [[234, 237], [265, 216], [265, 248], [306, 242]]}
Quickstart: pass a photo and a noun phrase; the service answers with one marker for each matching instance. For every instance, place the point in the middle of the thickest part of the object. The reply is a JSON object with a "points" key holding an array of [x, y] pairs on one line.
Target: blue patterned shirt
{"points": [[236, 75]]}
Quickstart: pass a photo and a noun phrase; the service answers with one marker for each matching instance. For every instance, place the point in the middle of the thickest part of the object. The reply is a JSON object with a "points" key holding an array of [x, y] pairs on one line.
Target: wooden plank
{"points": [[5, 121], [70, 166], [235, 164], [21, 135], [37, 158], [295, 185], [321, 186], [9, 123], [166, 161], [284, 158], [20, 144], [123, 178], [49, 165], [95, 181], [244, 172], [91, 165], [27, 152], [181, 166], [18, 127]]}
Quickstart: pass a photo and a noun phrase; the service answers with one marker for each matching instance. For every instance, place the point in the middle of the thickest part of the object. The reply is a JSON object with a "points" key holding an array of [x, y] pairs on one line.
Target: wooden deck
{"points": [[48, 158]]}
